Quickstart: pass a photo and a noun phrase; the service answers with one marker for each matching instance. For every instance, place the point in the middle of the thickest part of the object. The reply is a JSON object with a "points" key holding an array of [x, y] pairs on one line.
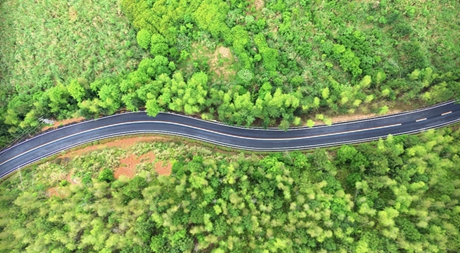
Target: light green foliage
{"points": [[76, 90], [210, 16], [158, 45], [325, 93], [152, 106], [383, 110], [290, 201], [245, 75], [365, 82], [143, 38], [55, 41], [269, 55], [192, 93], [51, 42]]}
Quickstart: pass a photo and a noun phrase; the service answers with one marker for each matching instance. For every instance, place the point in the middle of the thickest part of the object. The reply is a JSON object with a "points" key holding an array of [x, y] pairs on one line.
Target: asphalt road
{"points": [[55, 141]]}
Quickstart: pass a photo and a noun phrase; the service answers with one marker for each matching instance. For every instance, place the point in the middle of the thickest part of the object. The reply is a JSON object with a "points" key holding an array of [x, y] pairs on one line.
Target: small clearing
{"points": [[163, 169], [221, 62], [128, 165], [55, 191], [259, 4], [71, 180]]}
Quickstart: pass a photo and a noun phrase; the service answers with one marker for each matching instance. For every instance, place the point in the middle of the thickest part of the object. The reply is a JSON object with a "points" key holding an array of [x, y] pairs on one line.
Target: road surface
{"points": [[55, 141]]}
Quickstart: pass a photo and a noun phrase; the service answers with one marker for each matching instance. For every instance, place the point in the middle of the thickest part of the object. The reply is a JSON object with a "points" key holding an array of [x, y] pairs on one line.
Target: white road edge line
{"points": [[198, 128], [224, 144], [420, 120], [220, 123], [449, 112]]}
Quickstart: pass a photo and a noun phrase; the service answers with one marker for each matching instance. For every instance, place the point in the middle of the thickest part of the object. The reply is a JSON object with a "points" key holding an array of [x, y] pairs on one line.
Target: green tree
{"points": [[143, 38], [159, 45], [106, 175]]}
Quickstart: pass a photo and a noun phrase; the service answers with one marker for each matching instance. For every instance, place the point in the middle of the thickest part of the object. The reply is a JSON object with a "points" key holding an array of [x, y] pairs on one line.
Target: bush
{"points": [[106, 175], [64, 183], [143, 38]]}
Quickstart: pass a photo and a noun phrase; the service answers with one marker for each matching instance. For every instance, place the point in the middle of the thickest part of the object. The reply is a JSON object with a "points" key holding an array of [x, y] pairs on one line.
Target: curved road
{"points": [[52, 142]]}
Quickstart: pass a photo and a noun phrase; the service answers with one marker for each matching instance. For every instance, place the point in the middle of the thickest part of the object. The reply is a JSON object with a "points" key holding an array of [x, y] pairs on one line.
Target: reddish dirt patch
{"points": [[164, 170], [127, 168], [70, 180], [55, 191], [128, 164], [63, 123]]}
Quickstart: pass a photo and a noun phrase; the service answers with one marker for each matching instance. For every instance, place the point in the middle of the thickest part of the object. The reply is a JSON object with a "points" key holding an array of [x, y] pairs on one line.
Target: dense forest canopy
{"points": [[241, 62], [394, 195]]}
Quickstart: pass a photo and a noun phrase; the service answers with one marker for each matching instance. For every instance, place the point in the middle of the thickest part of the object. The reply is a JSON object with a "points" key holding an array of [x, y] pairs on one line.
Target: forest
{"points": [[264, 63], [394, 195], [241, 62]]}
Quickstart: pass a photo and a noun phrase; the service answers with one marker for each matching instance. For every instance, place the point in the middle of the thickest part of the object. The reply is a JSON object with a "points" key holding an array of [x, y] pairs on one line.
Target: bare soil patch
{"points": [[128, 165], [256, 4], [259, 4], [54, 191], [73, 15], [164, 170], [221, 62], [70, 179], [63, 123], [127, 168], [343, 118]]}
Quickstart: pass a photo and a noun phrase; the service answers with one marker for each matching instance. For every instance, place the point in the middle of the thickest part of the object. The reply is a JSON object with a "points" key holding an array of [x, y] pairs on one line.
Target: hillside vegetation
{"points": [[237, 61], [48, 44], [395, 195]]}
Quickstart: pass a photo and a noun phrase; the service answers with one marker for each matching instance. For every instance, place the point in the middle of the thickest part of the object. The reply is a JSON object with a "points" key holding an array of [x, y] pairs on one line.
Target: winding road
{"points": [[55, 141]]}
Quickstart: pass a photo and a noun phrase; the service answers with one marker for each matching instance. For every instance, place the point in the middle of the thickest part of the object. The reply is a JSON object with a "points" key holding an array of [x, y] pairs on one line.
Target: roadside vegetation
{"points": [[240, 62], [393, 195]]}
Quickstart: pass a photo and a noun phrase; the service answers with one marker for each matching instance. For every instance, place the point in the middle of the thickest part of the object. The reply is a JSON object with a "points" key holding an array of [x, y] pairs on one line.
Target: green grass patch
{"points": [[49, 42]]}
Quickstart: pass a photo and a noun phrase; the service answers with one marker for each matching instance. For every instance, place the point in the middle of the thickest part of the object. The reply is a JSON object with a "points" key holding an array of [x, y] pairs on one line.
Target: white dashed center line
{"points": [[420, 120], [449, 112]]}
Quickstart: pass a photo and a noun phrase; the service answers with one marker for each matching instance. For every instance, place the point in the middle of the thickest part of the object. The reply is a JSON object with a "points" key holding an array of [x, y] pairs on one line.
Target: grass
{"points": [[50, 41]]}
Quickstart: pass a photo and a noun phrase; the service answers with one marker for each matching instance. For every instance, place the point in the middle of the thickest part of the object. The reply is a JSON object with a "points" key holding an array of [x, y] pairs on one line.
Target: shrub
{"points": [[106, 175], [143, 38]]}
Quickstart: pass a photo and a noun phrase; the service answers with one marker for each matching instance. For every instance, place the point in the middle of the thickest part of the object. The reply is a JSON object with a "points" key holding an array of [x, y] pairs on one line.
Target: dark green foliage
{"points": [[64, 183], [133, 190], [106, 175]]}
